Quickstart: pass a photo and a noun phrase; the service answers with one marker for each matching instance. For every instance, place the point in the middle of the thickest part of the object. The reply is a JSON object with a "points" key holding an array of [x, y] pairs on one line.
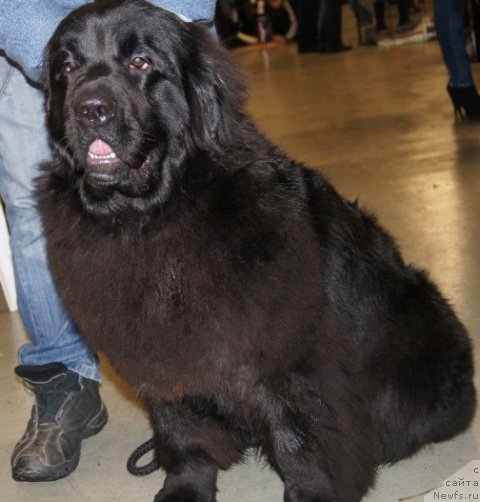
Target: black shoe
{"points": [[466, 102], [67, 410]]}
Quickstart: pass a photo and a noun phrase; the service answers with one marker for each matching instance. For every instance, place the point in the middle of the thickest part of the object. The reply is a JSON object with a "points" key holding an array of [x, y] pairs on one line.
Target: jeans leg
{"points": [[450, 26], [23, 144]]}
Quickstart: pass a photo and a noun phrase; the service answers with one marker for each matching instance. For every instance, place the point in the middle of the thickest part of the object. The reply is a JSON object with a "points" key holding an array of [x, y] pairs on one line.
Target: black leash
{"points": [[137, 454]]}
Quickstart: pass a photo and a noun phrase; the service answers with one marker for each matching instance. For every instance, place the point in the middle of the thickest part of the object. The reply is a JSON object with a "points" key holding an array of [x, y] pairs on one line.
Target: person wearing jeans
{"points": [[57, 364], [450, 26]]}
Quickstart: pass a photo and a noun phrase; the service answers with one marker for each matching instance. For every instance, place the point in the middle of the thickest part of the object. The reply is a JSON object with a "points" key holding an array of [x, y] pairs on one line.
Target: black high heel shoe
{"points": [[466, 102]]}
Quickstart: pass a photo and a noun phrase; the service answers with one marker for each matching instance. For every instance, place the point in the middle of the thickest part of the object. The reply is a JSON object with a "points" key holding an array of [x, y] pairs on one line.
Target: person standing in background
{"points": [[320, 26], [450, 26]]}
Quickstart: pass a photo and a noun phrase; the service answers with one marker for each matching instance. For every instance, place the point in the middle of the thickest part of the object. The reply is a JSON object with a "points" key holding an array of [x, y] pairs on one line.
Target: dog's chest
{"points": [[143, 284]]}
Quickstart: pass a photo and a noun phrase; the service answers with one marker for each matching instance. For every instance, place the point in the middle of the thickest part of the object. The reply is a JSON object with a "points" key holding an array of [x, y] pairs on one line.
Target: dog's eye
{"points": [[139, 63], [68, 67]]}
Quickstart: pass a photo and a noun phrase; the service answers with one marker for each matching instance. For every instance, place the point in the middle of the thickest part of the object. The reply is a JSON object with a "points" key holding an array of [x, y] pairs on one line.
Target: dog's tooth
{"points": [[102, 157]]}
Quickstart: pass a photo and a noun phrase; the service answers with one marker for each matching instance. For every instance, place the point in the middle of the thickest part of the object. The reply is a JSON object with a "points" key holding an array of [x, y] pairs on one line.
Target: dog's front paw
{"points": [[181, 494]]}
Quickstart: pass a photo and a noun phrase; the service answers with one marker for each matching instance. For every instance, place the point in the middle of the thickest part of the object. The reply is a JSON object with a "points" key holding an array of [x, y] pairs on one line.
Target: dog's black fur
{"points": [[244, 299]]}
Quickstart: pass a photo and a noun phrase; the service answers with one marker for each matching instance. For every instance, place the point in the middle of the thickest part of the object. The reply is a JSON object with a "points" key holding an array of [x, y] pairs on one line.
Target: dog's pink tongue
{"points": [[99, 147]]}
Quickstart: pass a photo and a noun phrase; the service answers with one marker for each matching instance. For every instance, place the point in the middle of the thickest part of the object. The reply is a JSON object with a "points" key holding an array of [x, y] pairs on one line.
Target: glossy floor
{"points": [[379, 124]]}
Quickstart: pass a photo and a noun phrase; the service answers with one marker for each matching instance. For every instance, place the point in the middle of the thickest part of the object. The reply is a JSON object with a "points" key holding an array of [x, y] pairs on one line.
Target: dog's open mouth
{"points": [[105, 167], [100, 154]]}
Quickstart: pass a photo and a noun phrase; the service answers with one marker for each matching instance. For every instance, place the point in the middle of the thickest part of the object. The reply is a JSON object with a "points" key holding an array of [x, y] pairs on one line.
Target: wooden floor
{"points": [[378, 122]]}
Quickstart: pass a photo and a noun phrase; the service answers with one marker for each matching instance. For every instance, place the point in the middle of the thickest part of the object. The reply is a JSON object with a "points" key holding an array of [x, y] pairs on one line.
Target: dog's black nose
{"points": [[95, 108]]}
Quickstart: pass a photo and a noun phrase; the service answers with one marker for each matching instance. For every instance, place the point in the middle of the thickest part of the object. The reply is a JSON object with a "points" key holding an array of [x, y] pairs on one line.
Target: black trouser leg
{"points": [[332, 24], [308, 25], [403, 17], [379, 9]]}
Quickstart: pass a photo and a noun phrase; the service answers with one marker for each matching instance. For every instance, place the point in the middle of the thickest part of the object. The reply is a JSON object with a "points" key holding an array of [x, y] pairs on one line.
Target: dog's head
{"points": [[132, 92]]}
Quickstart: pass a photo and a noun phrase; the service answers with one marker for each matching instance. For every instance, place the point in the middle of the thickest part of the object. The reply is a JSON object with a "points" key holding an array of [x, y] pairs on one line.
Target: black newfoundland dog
{"points": [[246, 301]]}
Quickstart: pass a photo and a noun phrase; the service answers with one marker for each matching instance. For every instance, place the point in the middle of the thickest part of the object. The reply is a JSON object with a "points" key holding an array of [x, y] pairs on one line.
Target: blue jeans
{"points": [[450, 26], [23, 144]]}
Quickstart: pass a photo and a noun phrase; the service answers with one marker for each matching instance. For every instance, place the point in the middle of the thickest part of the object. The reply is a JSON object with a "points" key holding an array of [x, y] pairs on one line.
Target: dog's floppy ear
{"points": [[47, 82], [215, 89]]}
